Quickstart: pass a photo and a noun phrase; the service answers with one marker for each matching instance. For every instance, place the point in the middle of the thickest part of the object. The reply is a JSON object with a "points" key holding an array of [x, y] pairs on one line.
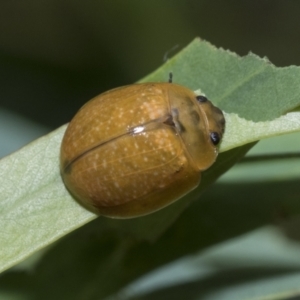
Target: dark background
{"points": [[57, 54]]}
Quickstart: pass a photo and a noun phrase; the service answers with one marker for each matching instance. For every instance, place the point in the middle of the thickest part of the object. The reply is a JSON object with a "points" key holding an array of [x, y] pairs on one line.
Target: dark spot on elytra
{"points": [[178, 169]]}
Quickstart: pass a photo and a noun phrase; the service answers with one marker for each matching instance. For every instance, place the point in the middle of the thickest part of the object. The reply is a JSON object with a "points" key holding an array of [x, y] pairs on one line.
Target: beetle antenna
{"points": [[170, 77]]}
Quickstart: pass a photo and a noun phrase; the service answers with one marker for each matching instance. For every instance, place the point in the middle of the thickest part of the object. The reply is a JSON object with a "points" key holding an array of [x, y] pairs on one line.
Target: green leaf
{"points": [[248, 86], [35, 207], [240, 131]]}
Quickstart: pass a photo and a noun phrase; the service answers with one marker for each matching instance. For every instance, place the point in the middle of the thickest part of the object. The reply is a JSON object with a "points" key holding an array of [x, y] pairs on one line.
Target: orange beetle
{"points": [[138, 148]]}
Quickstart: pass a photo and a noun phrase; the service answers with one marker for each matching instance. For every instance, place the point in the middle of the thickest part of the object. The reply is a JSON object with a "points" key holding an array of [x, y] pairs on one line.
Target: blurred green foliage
{"points": [[57, 54]]}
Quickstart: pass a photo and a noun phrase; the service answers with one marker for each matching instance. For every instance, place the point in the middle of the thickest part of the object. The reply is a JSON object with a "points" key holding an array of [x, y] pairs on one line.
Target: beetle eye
{"points": [[215, 138], [201, 99]]}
